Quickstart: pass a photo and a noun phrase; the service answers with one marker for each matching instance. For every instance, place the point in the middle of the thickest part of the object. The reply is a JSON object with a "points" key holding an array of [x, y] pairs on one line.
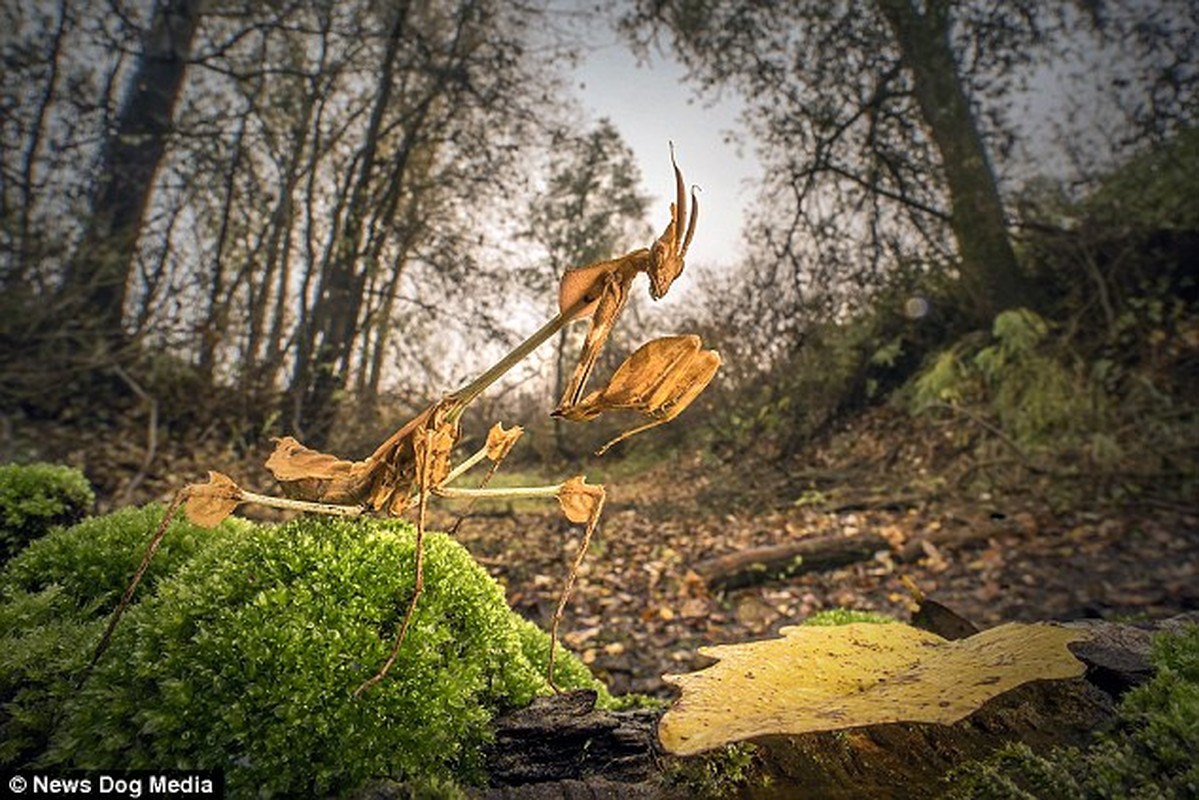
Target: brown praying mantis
{"points": [[659, 380]]}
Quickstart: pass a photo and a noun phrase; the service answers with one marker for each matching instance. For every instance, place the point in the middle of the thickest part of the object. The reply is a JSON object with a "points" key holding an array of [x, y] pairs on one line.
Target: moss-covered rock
{"points": [[243, 655], [846, 616], [37, 497]]}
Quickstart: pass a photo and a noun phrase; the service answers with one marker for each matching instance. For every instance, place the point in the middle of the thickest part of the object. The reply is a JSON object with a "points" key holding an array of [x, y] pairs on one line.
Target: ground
{"points": [[640, 610]]}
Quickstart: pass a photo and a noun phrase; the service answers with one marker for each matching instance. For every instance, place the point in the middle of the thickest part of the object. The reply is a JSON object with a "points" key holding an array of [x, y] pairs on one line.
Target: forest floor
{"points": [[640, 610]]}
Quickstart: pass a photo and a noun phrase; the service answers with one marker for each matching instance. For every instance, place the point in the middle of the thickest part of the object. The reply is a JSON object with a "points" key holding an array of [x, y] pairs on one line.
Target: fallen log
{"points": [[782, 561], [563, 748]]}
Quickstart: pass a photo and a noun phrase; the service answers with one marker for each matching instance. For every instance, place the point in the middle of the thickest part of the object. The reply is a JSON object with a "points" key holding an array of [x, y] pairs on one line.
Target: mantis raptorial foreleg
{"points": [[413, 464]]}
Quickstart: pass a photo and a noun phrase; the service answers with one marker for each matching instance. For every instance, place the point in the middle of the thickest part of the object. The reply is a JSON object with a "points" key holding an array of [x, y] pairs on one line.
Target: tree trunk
{"points": [[98, 277], [991, 280]]}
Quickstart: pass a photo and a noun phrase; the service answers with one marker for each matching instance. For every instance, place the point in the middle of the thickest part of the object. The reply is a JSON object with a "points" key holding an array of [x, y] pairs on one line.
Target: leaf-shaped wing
{"points": [[311, 475], [209, 504], [659, 381], [292, 461], [827, 678], [581, 287]]}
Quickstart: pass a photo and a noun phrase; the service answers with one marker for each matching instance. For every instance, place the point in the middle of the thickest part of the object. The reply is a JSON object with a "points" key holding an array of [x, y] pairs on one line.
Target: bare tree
{"points": [[100, 271], [881, 125]]}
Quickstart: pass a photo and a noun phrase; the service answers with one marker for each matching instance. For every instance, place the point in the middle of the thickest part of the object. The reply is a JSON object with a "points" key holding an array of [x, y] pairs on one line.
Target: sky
{"points": [[651, 106]]}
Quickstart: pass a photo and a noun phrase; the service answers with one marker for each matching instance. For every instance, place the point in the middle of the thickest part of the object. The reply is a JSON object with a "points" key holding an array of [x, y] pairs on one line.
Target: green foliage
{"points": [[37, 497], [1035, 396], [846, 616], [842, 366], [243, 655], [1038, 400], [569, 671], [1149, 754]]}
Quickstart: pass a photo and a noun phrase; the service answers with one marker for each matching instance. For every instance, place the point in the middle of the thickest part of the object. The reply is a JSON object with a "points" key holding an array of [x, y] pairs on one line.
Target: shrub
{"points": [[245, 657], [36, 497]]}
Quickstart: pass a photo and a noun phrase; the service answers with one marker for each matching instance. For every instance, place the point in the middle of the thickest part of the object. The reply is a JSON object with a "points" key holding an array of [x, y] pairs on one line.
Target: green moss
{"points": [[244, 652], [37, 497], [1150, 753], [93, 561], [54, 600], [845, 616], [721, 773]]}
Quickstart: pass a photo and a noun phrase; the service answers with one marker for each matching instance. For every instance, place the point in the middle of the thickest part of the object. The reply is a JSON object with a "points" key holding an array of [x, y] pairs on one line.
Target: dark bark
{"points": [[566, 737], [991, 280], [98, 276]]}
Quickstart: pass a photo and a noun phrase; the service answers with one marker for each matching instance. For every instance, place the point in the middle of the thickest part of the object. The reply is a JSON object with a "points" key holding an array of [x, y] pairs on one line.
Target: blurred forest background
{"points": [[226, 221]]}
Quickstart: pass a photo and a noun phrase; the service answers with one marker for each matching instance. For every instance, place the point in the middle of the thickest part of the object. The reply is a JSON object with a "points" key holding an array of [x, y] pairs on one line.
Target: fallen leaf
{"points": [[828, 678]]}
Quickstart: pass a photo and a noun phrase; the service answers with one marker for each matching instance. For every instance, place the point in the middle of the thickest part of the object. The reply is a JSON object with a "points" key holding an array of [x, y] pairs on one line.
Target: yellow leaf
{"points": [[208, 504], [827, 678]]}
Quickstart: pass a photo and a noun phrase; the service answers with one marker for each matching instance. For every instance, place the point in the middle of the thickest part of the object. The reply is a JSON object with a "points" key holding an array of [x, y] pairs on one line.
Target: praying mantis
{"points": [[659, 380]]}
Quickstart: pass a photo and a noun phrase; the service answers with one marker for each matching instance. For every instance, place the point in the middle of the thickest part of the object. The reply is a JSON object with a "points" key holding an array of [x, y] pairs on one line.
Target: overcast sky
{"points": [[651, 106]]}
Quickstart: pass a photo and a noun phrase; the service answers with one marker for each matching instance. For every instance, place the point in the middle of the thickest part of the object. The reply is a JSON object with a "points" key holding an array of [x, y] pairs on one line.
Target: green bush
{"points": [[1149, 754], [244, 657], [36, 497]]}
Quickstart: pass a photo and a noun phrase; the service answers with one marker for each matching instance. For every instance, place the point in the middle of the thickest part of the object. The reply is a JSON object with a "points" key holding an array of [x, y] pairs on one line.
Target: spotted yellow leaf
{"points": [[827, 678]]}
